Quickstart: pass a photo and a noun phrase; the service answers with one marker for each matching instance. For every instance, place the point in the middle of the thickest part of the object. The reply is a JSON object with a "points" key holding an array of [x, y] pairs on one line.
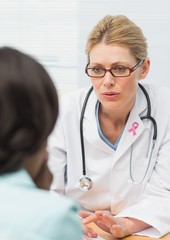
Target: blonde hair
{"points": [[121, 31]]}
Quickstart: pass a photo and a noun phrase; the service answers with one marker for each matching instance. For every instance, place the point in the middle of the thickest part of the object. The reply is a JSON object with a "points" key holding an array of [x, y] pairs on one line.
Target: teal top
{"points": [[29, 213]]}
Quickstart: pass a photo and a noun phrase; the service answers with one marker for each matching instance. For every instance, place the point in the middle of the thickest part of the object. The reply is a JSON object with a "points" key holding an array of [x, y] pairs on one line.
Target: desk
{"points": [[108, 236]]}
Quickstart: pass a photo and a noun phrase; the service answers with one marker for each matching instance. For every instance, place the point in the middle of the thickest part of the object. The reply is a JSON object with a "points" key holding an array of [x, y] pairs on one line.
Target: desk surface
{"points": [[108, 236]]}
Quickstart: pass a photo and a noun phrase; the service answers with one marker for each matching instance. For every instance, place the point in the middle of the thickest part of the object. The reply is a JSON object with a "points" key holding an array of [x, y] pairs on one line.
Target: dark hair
{"points": [[28, 107]]}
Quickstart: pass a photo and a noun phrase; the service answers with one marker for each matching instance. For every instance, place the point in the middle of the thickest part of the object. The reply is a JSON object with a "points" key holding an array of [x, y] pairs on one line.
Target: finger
{"points": [[84, 214], [91, 218], [98, 212], [109, 217], [103, 226], [89, 232], [117, 231]]}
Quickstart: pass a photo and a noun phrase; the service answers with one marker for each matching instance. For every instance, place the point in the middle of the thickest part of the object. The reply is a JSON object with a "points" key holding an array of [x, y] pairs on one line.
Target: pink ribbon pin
{"points": [[135, 125]]}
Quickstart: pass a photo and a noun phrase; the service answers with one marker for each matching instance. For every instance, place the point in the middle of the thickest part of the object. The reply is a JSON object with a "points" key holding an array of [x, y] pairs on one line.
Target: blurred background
{"points": [[55, 33]]}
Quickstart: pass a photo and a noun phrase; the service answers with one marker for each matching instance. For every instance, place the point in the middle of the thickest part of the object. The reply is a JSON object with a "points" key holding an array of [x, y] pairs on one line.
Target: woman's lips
{"points": [[110, 95]]}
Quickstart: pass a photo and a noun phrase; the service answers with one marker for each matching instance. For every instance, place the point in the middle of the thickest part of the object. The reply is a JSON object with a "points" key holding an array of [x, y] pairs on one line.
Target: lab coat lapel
{"points": [[90, 130], [133, 129], [134, 126]]}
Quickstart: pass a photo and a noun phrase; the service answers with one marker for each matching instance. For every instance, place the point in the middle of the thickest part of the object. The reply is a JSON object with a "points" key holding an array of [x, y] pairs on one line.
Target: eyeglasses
{"points": [[117, 71]]}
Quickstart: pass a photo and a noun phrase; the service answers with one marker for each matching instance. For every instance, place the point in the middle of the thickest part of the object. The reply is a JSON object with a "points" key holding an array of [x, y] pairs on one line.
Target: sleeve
{"points": [[59, 220], [69, 225], [154, 207], [72, 226], [57, 158]]}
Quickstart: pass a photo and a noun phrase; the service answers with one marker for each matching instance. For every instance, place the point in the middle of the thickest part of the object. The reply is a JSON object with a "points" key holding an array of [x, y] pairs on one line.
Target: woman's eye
{"points": [[120, 68], [97, 70]]}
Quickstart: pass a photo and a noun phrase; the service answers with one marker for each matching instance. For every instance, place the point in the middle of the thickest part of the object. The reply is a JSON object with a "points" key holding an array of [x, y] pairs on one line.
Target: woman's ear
{"points": [[145, 68]]}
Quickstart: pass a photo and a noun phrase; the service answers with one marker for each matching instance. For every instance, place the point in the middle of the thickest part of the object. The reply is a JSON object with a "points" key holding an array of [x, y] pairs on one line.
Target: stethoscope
{"points": [[85, 182]]}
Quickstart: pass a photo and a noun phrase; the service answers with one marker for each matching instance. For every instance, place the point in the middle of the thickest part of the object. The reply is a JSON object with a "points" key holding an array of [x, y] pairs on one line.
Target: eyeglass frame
{"points": [[132, 69]]}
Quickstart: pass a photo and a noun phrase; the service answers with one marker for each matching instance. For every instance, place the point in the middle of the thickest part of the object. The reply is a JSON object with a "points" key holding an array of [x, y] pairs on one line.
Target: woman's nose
{"points": [[108, 79]]}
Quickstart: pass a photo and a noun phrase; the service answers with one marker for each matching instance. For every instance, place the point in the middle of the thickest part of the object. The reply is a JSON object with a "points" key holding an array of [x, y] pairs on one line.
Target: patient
{"points": [[29, 109]]}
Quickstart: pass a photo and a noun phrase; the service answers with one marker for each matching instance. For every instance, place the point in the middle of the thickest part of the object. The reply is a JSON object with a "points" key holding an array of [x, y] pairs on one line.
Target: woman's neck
{"points": [[112, 122]]}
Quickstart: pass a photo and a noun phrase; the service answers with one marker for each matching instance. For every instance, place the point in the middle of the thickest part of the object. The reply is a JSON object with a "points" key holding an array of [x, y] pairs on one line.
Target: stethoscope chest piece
{"points": [[85, 183]]}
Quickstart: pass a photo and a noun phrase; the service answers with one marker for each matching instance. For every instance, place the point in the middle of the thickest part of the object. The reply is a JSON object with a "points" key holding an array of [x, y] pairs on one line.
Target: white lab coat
{"points": [[109, 169]]}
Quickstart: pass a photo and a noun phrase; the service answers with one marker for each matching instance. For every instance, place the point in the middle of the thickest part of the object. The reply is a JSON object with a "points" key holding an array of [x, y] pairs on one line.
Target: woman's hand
{"points": [[98, 219], [88, 232], [118, 226]]}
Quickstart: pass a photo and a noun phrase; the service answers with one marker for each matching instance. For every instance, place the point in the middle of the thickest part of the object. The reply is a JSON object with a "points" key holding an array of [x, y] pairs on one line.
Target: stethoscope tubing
{"points": [[148, 116], [81, 131]]}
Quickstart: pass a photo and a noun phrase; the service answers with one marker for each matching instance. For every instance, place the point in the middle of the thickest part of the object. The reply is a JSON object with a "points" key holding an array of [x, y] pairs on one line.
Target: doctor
{"points": [[124, 133]]}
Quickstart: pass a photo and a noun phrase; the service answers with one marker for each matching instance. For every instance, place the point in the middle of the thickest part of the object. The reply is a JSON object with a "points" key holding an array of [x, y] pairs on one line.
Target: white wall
{"points": [[55, 32], [153, 16], [48, 30]]}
